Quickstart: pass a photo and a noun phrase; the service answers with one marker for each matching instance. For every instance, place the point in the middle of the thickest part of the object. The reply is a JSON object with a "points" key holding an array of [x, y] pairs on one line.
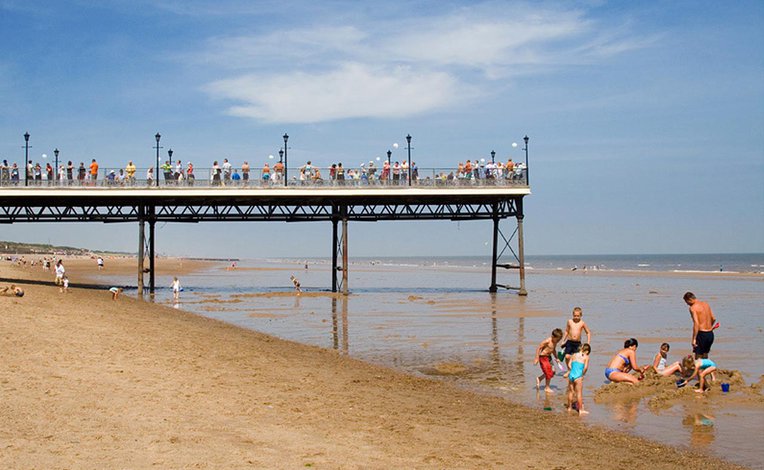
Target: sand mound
{"points": [[662, 392]]}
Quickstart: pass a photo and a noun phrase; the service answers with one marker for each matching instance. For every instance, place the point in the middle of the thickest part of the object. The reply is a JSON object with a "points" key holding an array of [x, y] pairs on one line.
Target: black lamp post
{"points": [[158, 137], [389, 169], [408, 139], [493, 156], [26, 159], [286, 164], [281, 156], [527, 179], [169, 154], [55, 175]]}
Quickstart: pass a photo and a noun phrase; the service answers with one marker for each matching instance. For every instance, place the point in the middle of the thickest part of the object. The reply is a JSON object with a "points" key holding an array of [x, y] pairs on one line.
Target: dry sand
{"points": [[87, 382]]}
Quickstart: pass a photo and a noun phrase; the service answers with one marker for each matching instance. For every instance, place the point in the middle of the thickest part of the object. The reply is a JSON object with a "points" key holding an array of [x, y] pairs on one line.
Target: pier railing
{"points": [[297, 178]]}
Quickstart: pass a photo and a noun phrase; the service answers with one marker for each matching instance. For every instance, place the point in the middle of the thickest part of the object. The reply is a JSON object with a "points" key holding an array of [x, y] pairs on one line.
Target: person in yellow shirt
{"points": [[130, 172]]}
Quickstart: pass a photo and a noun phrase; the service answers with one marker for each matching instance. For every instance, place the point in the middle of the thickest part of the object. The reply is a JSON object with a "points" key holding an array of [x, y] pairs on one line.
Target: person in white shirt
{"points": [[60, 271], [175, 289]]}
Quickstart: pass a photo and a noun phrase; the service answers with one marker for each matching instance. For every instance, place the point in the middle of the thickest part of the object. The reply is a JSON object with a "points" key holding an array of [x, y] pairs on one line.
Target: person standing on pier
{"points": [[245, 173], [702, 325], [227, 167], [5, 173], [94, 172], [130, 171]]}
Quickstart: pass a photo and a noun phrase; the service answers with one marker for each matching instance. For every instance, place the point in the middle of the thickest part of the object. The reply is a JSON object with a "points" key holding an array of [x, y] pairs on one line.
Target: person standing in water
{"points": [[175, 289], [702, 325]]}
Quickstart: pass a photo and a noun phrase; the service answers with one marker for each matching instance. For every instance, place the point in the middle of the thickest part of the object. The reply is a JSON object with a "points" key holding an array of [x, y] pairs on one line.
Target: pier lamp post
{"points": [[286, 164], [26, 159], [55, 175], [169, 154], [527, 179], [493, 156], [281, 156], [408, 146], [158, 137]]}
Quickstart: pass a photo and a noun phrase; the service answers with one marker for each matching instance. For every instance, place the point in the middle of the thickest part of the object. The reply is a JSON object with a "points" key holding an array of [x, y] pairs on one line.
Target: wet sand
{"points": [[92, 383]]}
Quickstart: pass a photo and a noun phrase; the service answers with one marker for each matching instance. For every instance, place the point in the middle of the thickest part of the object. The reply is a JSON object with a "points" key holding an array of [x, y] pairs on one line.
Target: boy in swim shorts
{"points": [[544, 354], [573, 330]]}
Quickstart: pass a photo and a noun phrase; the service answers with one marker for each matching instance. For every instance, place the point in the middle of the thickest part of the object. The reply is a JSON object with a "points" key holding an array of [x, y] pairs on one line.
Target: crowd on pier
{"points": [[223, 173]]}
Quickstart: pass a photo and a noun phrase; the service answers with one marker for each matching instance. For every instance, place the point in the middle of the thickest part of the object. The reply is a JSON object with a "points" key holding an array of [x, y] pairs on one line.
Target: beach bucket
{"points": [[725, 388]]}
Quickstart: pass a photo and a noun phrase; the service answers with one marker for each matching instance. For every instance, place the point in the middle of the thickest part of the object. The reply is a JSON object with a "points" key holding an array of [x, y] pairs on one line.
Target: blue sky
{"points": [[646, 119]]}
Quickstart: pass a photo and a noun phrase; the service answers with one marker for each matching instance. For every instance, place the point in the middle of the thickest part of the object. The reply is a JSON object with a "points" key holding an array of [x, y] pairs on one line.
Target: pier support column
{"points": [[152, 255], [521, 248], [345, 253], [141, 253], [494, 256], [335, 244], [340, 249]]}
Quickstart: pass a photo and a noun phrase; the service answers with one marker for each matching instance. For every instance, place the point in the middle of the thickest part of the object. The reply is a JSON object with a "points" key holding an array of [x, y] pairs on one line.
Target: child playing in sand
{"points": [[296, 283], [544, 354], [175, 289], [660, 362], [700, 368], [573, 330], [11, 291], [579, 364], [115, 291]]}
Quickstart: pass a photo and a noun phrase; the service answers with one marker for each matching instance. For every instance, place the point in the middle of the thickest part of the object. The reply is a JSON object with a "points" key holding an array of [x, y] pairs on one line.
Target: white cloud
{"points": [[352, 90], [398, 68]]}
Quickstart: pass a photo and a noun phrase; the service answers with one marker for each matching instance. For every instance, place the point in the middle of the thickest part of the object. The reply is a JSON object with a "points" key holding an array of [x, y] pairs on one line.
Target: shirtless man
{"points": [[702, 325], [573, 331]]}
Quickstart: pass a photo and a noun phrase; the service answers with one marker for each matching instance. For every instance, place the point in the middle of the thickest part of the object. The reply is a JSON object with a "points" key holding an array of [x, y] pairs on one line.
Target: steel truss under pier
{"points": [[338, 206]]}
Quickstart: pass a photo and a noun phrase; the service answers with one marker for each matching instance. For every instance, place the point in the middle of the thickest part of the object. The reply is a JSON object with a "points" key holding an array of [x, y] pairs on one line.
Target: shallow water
{"points": [[450, 327]]}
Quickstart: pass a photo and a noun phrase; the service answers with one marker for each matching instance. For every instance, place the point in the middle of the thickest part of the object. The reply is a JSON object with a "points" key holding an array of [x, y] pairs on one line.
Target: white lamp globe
{"points": [[514, 144], [44, 155], [395, 145], [270, 157]]}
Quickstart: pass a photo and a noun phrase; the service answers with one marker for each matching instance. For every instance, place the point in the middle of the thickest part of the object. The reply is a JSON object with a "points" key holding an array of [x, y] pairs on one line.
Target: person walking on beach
{"points": [[175, 289], [99, 261], [296, 283], [702, 325], [544, 354], [64, 288], [60, 272]]}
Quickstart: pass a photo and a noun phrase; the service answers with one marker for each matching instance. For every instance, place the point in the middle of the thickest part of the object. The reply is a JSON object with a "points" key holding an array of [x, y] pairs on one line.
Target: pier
{"points": [[337, 204]]}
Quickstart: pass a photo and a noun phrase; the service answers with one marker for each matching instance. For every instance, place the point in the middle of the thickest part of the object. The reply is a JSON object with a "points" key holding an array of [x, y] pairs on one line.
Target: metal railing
{"points": [[314, 177]]}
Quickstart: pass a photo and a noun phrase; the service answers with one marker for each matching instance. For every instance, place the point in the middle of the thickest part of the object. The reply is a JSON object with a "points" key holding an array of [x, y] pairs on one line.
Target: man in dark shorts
{"points": [[702, 325]]}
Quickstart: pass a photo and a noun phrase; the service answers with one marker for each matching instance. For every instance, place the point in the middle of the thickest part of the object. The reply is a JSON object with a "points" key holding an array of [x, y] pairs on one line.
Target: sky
{"points": [[645, 119]]}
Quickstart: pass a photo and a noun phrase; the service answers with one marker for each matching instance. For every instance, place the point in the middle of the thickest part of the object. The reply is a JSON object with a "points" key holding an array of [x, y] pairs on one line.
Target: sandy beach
{"points": [[88, 382]]}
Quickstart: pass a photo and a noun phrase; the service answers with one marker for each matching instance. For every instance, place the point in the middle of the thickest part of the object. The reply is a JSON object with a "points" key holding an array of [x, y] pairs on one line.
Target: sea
{"points": [[434, 317]]}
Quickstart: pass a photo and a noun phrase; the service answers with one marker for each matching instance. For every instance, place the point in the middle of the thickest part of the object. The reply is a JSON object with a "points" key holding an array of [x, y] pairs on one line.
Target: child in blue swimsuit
{"points": [[579, 363], [700, 368]]}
